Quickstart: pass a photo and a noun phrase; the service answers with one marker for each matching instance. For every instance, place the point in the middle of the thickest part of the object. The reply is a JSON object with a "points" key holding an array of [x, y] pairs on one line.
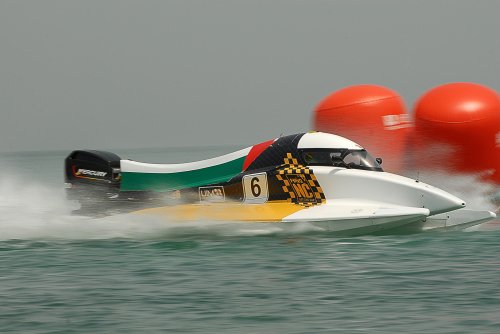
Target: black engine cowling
{"points": [[92, 165], [92, 177]]}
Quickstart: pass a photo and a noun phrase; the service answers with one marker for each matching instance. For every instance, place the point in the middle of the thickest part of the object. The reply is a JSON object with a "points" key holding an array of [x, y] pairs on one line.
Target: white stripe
{"points": [[325, 140], [141, 167]]}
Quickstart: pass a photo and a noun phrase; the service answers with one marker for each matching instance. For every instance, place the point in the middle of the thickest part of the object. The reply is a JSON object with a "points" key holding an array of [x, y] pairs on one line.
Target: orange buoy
{"points": [[372, 115], [457, 128]]}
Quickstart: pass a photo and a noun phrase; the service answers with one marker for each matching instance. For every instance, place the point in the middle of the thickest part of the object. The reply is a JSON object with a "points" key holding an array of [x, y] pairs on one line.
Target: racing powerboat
{"points": [[314, 177]]}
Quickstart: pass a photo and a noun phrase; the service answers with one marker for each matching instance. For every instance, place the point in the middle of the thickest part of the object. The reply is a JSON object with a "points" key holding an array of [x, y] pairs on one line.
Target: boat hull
{"points": [[360, 218]]}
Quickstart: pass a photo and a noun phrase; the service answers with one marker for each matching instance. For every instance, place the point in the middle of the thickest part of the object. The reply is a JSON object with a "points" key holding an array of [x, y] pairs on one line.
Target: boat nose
{"points": [[439, 201]]}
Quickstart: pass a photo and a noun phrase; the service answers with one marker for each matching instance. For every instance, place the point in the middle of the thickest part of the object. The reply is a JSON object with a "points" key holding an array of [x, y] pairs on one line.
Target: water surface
{"points": [[61, 273]]}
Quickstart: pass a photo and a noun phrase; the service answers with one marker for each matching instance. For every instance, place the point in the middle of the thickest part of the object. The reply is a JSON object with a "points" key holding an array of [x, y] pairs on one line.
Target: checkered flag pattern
{"points": [[300, 183]]}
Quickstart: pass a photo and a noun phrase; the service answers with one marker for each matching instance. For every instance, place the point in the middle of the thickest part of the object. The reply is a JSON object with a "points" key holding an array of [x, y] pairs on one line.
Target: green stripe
{"points": [[132, 181]]}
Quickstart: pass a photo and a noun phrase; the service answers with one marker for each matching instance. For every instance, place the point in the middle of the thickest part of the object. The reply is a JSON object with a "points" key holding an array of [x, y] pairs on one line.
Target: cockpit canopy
{"points": [[347, 158], [313, 149]]}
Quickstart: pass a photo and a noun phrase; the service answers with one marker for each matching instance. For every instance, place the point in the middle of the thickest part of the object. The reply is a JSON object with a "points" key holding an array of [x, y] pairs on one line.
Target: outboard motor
{"points": [[92, 177]]}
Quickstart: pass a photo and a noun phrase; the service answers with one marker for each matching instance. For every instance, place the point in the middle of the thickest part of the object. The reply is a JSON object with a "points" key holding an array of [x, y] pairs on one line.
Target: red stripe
{"points": [[255, 152]]}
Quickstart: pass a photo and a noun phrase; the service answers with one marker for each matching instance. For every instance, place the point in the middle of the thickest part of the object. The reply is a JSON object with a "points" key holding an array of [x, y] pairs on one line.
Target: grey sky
{"points": [[117, 74]]}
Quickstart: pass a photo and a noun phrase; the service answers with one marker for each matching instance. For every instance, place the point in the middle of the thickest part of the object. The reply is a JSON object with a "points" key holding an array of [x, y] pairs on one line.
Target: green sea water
{"points": [[61, 273]]}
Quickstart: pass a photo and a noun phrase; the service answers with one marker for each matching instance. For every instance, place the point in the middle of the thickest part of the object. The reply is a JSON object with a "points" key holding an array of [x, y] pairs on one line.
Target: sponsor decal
{"points": [[87, 173], [394, 122], [300, 183], [212, 194]]}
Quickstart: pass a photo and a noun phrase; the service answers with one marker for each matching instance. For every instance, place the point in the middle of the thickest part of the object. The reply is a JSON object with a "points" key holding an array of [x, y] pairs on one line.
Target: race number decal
{"points": [[255, 188]]}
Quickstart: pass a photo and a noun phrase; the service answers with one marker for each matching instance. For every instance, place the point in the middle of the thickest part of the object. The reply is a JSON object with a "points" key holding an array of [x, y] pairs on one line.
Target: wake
{"points": [[33, 211]]}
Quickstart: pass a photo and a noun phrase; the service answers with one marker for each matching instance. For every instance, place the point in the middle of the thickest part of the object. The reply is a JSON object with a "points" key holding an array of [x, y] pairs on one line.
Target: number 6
{"points": [[255, 187]]}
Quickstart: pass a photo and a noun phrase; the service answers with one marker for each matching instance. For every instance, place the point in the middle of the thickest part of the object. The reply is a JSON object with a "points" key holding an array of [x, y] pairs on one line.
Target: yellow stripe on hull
{"points": [[266, 212]]}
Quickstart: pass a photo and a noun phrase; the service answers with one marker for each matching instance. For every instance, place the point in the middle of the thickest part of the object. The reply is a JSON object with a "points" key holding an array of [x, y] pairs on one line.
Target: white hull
{"points": [[457, 220], [364, 226], [359, 217]]}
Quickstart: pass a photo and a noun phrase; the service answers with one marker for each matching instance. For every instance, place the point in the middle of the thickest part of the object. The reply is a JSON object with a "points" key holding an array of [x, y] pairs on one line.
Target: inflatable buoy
{"points": [[457, 128]]}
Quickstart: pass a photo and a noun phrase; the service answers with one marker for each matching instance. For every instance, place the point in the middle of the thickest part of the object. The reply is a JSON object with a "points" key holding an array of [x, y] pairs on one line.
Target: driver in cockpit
{"points": [[356, 159], [324, 158], [338, 162]]}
